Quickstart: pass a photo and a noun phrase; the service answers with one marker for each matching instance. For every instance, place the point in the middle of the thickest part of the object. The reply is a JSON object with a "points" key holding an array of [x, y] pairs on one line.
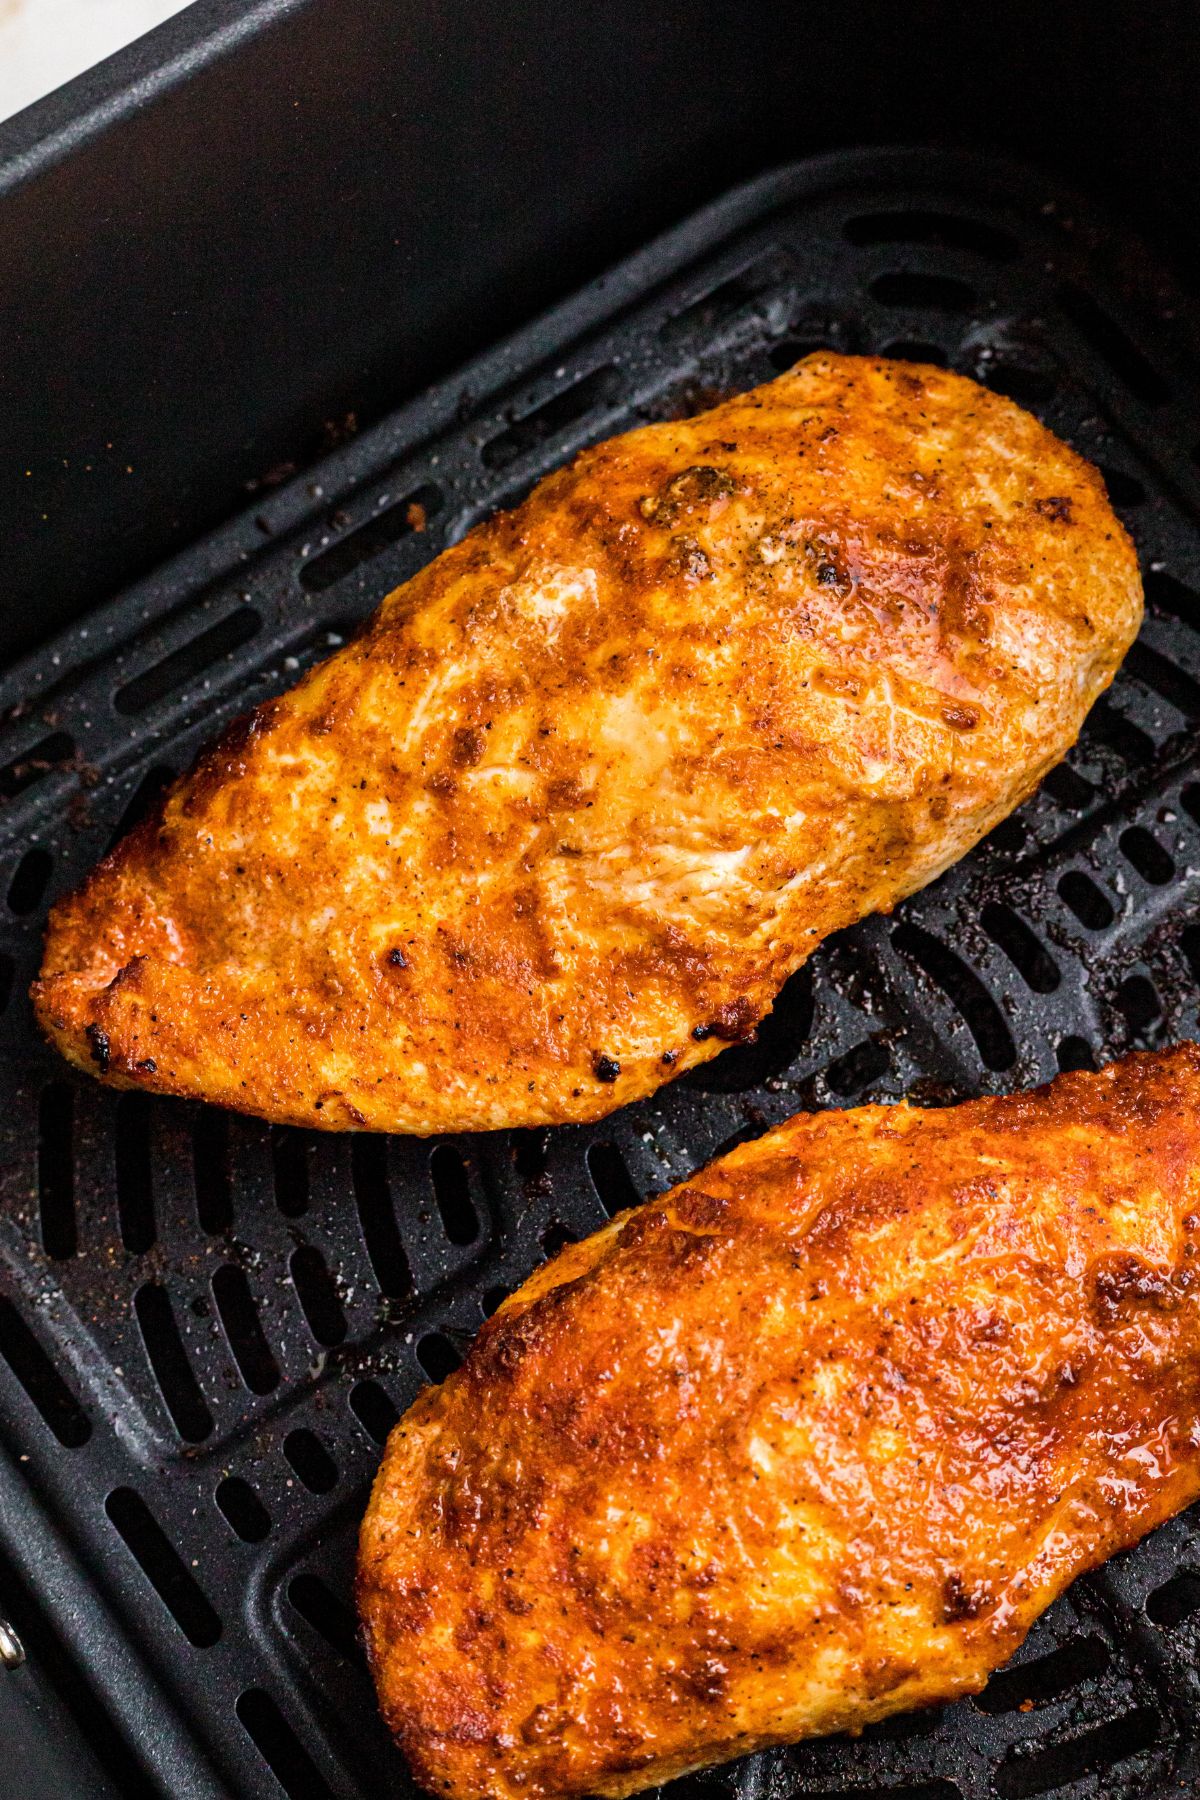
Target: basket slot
{"points": [[163, 1567], [310, 1460], [965, 991], [238, 1314], [168, 1359], [41, 1380], [1025, 1773], [318, 1295]]}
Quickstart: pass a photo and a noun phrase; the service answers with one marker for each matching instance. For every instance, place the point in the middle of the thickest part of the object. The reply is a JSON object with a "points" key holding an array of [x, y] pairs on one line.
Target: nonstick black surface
{"points": [[207, 1325]]}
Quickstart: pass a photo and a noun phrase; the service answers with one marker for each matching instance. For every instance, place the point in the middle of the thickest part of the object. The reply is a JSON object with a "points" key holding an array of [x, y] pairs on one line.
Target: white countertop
{"points": [[45, 42]]}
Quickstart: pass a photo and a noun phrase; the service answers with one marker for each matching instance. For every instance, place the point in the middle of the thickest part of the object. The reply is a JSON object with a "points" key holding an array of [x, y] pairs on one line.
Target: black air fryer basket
{"points": [[208, 1325]]}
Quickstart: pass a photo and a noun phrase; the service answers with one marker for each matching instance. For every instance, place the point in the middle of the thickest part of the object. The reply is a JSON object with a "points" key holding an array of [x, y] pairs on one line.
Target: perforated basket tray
{"points": [[207, 1325]]}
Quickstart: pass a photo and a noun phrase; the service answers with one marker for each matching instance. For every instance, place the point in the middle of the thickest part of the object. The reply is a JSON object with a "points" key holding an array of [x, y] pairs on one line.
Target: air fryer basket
{"points": [[208, 1325]]}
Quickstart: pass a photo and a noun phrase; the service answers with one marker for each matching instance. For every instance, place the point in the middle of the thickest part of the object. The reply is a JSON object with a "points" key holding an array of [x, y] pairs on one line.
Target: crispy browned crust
{"points": [[562, 821], [810, 1440]]}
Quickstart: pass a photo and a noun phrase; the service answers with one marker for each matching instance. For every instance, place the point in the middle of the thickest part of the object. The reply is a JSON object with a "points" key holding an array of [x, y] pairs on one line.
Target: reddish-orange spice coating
{"points": [[810, 1440], [561, 822]]}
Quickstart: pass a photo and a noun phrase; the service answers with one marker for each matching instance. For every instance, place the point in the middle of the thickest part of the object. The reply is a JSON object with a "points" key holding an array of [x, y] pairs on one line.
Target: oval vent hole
{"points": [[851, 1073], [1168, 595], [1189, 943], [708, 311], [1113, 346], [56, 1170], [452, 1191], [916, 350], [210, 1168], [1147, 856], [243, 1509], [1138, 1002], [554, 415], [318, 1295], [1123, 489], [908, 288], [1045, 1678], [556, 1237], [310, 1460], [1068, 789], [611, 1179], [145, 797], [163, 1567], [1074, 1053], [29, 882], [1089, 903], [189, 661], [41, 1380], [390, 525], [965, 991], [437, 1355], [529, 1152], [50, 754], [135, 1185], [329, 1616], [1107, 725], [290, 1151], [1057, 1765], [170, 1365], [374, 1409], [1164, 678], [948, 231], [279, 1747], [1028, 387], [243, 1328], [1023, 948], [1175, 1601], [377, 1217], [778, 1041]]}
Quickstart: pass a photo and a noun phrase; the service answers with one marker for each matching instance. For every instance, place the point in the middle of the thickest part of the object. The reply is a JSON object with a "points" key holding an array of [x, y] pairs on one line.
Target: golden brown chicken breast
{"points": [[592, 785], [810, 1440]]}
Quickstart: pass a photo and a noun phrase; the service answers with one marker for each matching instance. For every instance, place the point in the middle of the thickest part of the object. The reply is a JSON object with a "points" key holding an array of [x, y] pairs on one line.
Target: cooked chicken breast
{"points": [[562, 821], [811, 1440]]}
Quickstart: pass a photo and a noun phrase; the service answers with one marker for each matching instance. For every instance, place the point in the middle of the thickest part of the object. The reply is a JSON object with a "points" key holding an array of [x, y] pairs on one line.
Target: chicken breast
{"points": [[811, 1440], [564, 818]]}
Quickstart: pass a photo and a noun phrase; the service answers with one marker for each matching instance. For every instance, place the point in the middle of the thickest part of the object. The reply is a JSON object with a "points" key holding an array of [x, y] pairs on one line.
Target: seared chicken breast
{"points": [[810, 1440], [566, 815]]}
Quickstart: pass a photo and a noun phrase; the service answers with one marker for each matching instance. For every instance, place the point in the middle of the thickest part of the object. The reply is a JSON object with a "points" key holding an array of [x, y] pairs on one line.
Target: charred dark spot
{"points": [[1124, 1280], [734, 1023], [99, 1046], [827, 574], [468, 746], [397, 959], [669, 1058], [700, 486], [1054, 506], [147, 1067], [606, 1068], [962, 1602]]}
